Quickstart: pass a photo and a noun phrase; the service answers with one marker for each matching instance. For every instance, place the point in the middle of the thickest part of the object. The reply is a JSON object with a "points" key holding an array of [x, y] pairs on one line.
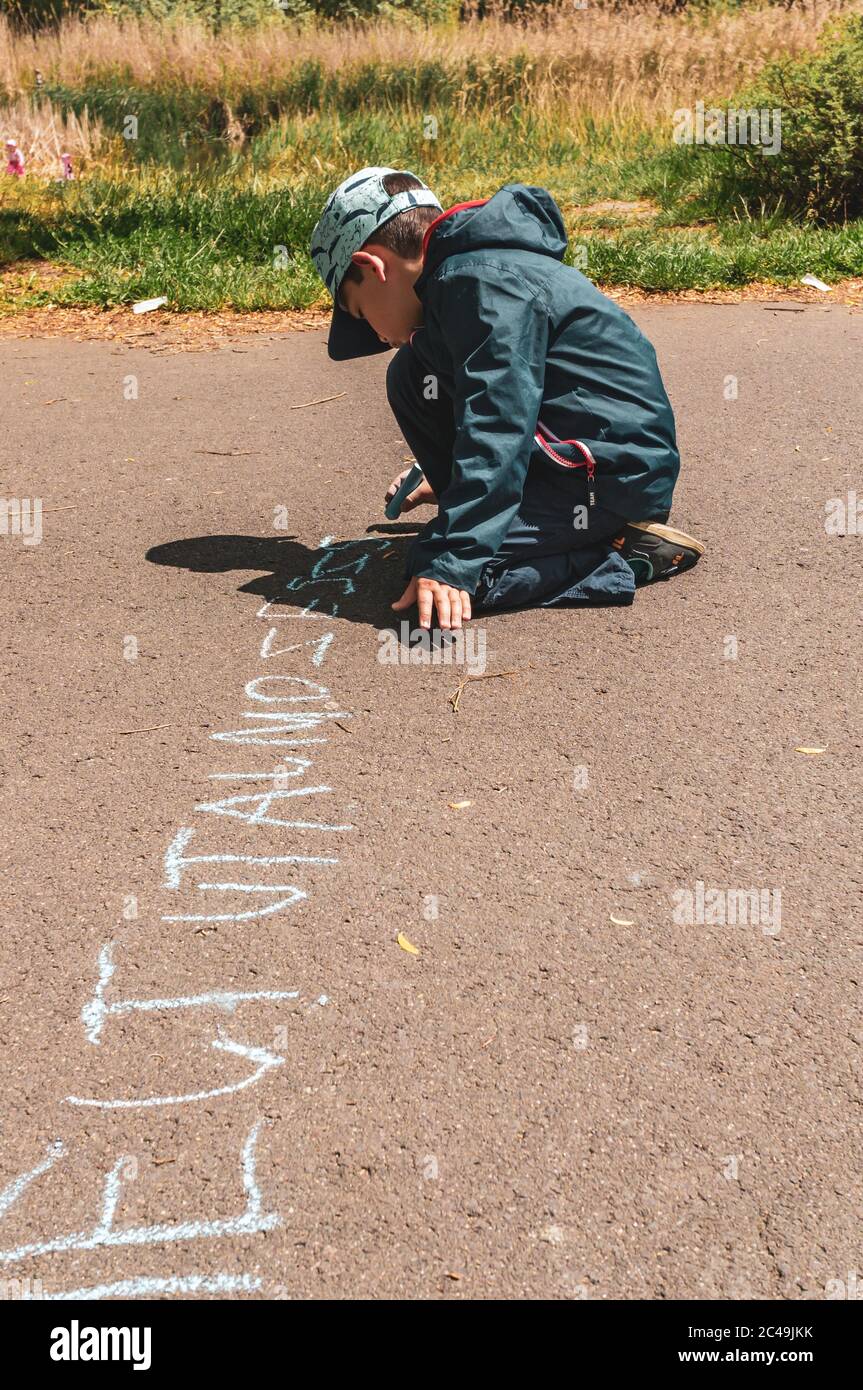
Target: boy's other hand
{"points": [[418, 498], [453, 605]]}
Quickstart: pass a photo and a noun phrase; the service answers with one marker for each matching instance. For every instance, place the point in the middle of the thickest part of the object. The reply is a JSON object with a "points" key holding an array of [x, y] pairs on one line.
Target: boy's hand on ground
{"points": [[453, 605], [418, 498]]}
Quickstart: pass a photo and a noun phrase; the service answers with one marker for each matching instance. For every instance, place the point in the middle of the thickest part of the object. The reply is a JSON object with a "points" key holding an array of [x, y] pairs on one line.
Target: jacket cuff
{"points": [[447, 574]]}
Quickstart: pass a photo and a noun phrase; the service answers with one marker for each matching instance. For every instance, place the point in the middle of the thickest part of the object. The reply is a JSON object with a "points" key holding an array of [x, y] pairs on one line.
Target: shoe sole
{"points": [[668, 533]]}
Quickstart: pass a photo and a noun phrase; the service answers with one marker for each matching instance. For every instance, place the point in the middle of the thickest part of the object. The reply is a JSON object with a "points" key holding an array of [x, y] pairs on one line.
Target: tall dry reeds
{"points": [[592, 58]]}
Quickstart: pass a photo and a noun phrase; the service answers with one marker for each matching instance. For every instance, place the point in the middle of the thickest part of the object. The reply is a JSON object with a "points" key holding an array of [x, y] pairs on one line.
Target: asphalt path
{"points": [[223, 1074]]}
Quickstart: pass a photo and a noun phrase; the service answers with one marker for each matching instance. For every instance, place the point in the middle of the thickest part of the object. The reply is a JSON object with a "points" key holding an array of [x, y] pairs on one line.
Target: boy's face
{"points": [[385, 296]]}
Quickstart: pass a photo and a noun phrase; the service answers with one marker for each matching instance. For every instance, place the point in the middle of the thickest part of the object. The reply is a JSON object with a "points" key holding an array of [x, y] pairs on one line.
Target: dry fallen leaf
{"points": [[810, 750], [459, 805], [622, 921], [407, 945]]}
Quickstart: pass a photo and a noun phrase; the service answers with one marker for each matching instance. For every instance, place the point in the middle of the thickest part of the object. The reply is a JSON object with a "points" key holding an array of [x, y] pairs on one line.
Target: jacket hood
{"points": [[517, 217]]}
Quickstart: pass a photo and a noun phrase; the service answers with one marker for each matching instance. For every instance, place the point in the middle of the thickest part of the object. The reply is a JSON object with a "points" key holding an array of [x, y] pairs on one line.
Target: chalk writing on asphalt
{"points": [[289, 709]]}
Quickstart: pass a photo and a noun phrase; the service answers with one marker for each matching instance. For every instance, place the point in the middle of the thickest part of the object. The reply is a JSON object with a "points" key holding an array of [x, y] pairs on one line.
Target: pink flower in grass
{"points": [[14, 159]]}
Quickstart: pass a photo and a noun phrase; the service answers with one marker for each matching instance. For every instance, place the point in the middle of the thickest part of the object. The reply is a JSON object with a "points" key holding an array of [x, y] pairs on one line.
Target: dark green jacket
{"points": [[516, 337]]}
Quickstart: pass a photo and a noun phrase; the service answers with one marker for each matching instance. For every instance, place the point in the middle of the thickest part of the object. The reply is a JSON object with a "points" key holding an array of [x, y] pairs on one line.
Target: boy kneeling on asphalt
{"points": [[532, 403]]}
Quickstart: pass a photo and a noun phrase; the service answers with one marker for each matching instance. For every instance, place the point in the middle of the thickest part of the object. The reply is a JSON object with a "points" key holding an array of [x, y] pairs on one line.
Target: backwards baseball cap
{"points": [[354, 212]]}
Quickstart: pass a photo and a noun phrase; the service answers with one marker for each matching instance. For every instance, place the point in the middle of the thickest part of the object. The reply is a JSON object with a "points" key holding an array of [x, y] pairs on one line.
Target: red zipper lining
{"points": [[589, 461], [457, 207]]}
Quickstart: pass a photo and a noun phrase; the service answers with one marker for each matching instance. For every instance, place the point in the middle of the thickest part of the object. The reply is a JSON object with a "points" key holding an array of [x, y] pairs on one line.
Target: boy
{"points": [[532, 403]]}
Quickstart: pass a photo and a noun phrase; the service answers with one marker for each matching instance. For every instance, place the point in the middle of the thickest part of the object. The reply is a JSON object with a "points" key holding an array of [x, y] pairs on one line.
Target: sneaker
{"points": [[654, 551]]}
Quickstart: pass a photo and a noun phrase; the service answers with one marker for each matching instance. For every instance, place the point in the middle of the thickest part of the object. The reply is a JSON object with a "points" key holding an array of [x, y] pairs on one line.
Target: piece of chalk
{"points": [[393, 508]]}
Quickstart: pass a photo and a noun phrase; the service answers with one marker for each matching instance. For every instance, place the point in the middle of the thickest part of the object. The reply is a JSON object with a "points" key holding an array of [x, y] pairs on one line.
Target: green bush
{"points": [[214, 12], [33, 13], [817, 172]]}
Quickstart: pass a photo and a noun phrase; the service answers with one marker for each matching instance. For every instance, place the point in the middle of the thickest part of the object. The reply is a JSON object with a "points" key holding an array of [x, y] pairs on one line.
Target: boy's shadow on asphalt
{"points": [[376, 586]]}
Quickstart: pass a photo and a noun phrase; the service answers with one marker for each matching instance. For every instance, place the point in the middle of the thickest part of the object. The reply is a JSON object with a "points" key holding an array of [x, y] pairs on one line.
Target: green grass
{"points": [[207, 245], [211, 237], [729, 256]]}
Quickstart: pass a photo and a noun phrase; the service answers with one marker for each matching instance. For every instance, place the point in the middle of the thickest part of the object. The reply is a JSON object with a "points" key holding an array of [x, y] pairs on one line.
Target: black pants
{"points": [[543, 560]]}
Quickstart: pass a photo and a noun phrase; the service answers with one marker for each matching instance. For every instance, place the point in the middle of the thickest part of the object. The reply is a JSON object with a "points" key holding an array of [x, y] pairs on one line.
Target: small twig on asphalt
{"points": [[152, 727], [318, 402], [489, 676], [227, 453]]}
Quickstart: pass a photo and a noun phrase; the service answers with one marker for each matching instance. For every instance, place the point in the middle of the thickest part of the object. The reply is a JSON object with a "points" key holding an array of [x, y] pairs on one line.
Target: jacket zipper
{"points": [[589, 461]]}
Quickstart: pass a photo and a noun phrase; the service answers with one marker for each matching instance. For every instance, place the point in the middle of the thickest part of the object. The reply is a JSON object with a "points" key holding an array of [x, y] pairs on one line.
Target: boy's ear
{"points": [[369, 258]]}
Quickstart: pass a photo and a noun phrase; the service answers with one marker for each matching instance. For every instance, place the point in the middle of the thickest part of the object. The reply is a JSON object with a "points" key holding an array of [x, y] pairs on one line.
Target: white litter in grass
{"points": [[144, 306], [815, 283]]}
